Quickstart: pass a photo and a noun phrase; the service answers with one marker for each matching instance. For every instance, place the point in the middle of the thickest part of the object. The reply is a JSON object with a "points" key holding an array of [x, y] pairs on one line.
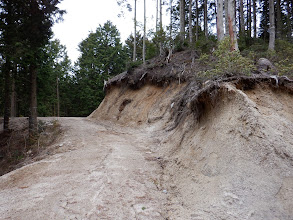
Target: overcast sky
{"points": [[85, 16]]}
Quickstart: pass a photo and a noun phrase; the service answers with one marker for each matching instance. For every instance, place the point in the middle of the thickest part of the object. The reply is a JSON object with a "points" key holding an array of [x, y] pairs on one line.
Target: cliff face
{"points": [[226, 148]]}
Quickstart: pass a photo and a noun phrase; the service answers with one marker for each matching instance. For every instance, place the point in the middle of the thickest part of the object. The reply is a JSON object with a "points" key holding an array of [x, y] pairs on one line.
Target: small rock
{"points": [[265, 66], [165, 191]]}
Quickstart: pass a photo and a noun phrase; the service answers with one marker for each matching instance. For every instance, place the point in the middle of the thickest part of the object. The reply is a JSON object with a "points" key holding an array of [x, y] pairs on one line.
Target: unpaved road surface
{"points": [[102, 171]]}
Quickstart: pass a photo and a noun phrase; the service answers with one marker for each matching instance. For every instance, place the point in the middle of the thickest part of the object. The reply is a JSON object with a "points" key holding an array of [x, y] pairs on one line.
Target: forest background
{"points": [[38, 78]]}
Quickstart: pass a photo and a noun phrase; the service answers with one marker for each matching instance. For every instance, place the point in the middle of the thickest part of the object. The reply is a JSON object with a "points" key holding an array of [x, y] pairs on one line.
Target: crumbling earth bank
{"points": [[233, 161], [219, 150]]}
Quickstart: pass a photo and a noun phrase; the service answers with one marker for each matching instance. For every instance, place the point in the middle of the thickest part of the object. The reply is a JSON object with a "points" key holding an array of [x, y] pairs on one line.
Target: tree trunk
{"points": [[134, 35], [161, 16], [232, 25], [197, 20], [254, 19], [161, 30], [58, 96], [241, 20], [190, 22], [279, 20], [220, 27], [289, 24], [272, 26], [144, 34], [265, 20], [235, 12], [13, 99], [157, 16], [206, 18], [291, 7], [7, 91], [171, 26], [182, 20], [33, 122], [249, 18], [226, 18]]}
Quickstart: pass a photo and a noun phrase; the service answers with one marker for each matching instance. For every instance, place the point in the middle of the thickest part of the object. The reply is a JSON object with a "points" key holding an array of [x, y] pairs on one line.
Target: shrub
{"points": [[205, 45], [228, 62]]}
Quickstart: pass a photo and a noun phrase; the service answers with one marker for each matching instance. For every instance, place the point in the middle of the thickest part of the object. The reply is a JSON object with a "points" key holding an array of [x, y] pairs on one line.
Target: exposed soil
{"points": [[101, 171], [226, 150], [167, 148]]}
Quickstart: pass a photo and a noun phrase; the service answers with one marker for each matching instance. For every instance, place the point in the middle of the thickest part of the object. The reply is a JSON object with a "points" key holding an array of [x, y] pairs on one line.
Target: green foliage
{"points": [[227, 62], [25, 29], [152, 48], [129, 46], [160, 37], [204, 59], [284, 57], [285, 67], [257, 50], [179, 45], [102, 56], [284, 49], [245, 42], [55, 66], [132, 65], [205, 45]]}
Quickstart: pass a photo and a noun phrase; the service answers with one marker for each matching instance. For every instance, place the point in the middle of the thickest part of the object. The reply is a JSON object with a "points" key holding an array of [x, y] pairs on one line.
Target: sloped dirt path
{"points": [[102, 172]]}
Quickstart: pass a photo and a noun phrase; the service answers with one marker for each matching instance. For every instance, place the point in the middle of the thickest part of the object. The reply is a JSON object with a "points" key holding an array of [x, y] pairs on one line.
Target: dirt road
{"points": [[102, 172]]}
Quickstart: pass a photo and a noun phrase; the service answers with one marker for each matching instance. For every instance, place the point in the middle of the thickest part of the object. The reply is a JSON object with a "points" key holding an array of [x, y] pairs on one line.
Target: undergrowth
{"points": [[16, 146], [223, 62]]}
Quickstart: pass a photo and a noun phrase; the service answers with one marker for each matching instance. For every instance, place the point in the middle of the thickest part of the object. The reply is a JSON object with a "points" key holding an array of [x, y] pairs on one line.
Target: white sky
{"points": [[85, 16]]}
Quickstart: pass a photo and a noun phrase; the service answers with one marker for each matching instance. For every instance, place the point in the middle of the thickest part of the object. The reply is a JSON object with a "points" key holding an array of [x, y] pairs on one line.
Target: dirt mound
{"points": [[225, 146]]}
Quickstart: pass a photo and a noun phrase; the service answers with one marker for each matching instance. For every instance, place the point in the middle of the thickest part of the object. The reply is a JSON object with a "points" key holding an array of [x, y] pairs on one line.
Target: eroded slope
{"points": [[229, 156]]}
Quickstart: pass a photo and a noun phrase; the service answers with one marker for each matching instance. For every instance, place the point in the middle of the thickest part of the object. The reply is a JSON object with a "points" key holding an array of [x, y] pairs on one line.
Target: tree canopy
{"points": [[102, 56], [25, 29]]}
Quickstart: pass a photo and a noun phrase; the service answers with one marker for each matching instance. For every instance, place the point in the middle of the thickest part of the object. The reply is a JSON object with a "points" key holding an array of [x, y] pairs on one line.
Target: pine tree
{"points": [[197, 20], [182, 20], [31, 21], [102, 57], [264, 21], [206, 18], [279, 20], [190, 22], [272, 25], [134, 41], [232, 25], [9, 40], [241, 18], [220, 27], [254, 19], [144, 33], [249, 18], [55, 65]]}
